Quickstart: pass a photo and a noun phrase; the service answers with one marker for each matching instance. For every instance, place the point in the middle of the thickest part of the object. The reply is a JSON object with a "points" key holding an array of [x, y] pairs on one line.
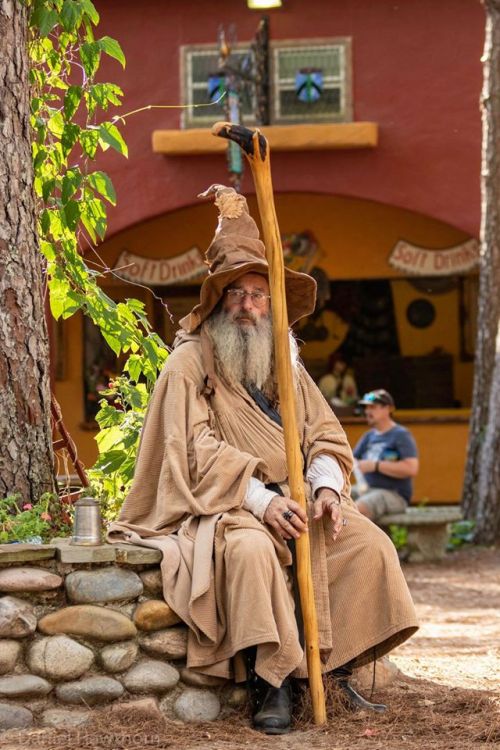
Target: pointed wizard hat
{"points": [[235, 250]]}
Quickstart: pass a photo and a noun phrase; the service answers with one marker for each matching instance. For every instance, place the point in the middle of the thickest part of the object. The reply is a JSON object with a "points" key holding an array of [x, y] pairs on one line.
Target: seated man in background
{"points": [[386, 456]]}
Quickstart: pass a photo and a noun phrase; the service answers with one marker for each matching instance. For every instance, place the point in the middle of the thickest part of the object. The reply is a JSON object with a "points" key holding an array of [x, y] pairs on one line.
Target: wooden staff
{"points": [[256, 150]]}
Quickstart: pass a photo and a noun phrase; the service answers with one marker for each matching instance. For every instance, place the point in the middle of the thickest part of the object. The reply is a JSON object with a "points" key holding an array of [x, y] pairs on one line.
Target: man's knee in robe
{"points": [[248, 546], [380, 549], [371, 547]]}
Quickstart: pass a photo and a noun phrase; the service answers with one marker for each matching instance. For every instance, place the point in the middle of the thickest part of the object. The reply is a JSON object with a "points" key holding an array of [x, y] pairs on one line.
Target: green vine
{"points": [[70, 127]]}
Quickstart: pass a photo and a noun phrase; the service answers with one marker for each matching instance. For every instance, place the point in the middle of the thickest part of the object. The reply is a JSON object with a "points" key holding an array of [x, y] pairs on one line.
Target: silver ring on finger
{"points": [[344, 522], [287, 515]]}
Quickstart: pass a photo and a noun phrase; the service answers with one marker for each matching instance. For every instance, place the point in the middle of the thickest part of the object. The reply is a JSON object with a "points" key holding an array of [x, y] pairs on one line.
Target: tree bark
{"points": [[488, 511], [481, 495], [26, 464]]}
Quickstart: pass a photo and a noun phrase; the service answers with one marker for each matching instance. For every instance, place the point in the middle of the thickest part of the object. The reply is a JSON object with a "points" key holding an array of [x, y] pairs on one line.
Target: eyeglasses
{"points": [[237, 297], [372, 398]]}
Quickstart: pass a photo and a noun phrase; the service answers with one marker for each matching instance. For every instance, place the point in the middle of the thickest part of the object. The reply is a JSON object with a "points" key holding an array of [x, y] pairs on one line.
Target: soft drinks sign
{"points": [[160, 271], [425, 262]]}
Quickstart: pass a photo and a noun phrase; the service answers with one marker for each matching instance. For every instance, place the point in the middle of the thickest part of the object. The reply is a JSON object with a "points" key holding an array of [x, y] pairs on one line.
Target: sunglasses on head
{"points": [[372, 398]]}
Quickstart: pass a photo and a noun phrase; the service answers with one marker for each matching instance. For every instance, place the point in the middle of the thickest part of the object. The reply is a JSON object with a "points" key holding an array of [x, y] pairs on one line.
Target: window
{"points": [[198, 64], [310, 81]]}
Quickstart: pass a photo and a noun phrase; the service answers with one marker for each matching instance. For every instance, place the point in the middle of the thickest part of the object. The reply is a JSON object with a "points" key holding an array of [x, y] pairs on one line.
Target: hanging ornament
{"points": [[215, 86], [309, 84]]}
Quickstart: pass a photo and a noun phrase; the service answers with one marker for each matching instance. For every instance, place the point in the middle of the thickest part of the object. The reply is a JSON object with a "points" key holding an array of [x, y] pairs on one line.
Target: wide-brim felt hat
{"points": [[235, 250]]}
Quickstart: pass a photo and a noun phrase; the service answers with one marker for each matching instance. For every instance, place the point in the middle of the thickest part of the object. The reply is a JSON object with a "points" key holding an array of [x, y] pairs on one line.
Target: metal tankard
{"points": [[87, 523]]}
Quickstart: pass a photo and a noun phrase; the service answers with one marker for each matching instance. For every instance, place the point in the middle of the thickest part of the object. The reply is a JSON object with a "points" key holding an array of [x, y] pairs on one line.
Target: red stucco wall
{"points": [[416, 72]]}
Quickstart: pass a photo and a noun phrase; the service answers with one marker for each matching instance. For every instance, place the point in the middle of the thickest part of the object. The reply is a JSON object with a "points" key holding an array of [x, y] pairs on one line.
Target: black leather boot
{"points": [[353, 699], [275, 712], [271, 707]]}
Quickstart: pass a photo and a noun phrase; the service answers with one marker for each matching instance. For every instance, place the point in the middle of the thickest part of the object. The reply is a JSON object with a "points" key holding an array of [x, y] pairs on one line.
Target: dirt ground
{"points": [[448, 697]]}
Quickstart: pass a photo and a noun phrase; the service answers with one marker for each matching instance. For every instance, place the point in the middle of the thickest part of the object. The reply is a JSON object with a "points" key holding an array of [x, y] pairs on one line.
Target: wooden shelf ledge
{"points": [[317, 137]]}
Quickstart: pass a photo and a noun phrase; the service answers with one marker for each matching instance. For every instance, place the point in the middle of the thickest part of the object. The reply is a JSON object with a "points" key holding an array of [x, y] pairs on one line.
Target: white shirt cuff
{"points": [[258, 498], [325, 471]]}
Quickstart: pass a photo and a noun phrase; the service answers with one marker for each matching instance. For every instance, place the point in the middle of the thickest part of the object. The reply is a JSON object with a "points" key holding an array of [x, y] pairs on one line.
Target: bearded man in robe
{"points": [[210, 491]]}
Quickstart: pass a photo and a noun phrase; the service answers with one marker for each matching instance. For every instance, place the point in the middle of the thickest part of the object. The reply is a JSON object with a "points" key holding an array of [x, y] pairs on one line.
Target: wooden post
{"points": [[256, 150]]}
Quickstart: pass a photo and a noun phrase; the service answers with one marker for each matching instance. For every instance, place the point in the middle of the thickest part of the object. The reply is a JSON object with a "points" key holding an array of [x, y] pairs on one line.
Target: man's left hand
{"points": [[367, 466], [328, 503]]}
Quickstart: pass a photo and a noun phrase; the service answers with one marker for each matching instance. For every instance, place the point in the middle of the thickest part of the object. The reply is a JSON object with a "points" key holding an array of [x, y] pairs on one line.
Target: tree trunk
{"points": [[481, 496], [25, 435], [488, 514]]}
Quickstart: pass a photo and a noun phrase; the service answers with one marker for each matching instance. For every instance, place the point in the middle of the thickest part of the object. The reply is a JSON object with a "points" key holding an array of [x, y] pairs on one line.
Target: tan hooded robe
{"points": [[224, 572]]}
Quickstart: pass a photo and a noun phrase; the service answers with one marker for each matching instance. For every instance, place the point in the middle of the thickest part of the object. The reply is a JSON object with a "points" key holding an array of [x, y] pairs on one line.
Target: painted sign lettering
{"points": [[160, 272], [425, 262]]}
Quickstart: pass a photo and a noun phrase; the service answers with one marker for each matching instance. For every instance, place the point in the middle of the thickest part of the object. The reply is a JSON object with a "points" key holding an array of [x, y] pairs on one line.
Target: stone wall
{"points": [[87, 626]]}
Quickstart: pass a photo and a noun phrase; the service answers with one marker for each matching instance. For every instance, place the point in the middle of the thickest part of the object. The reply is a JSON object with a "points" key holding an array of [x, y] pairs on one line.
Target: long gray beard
{"points": [[245, 354]]}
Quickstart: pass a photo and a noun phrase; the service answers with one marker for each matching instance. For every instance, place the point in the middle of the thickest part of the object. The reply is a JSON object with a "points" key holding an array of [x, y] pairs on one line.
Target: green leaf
{"points": [[109, 416], [65, 40], [36, 102], [69, 137], [134, 366], [110, 461], [90, 54], [71, 15], [100, 182], [70, 184], [151, 351], [125, 313], [102, 95], [57, 156], [111, 136], [57, 224], [45, 221], [89, 31], [71, 101], [48, 249], [45, 20], [90, 10], [39, 158], [54, 62], [129, 440], [63, 301], [72, 214], [93, 214], [112, 341], [89, 140], [47, 188], [37, 77], [139, 397], [110, 438], [136, 305], [56, 124], [41, 130], [112, 48]]}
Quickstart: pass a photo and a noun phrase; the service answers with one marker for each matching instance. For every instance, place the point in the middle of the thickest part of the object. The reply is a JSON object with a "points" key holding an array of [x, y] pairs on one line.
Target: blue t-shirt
{"points": [[393, 445]]}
